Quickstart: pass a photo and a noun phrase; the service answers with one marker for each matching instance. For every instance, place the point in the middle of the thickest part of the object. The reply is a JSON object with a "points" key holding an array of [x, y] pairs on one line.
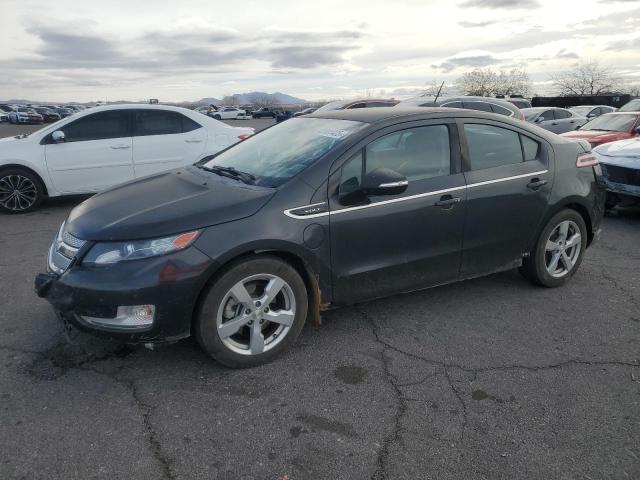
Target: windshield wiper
{"points": [[231, 173]]}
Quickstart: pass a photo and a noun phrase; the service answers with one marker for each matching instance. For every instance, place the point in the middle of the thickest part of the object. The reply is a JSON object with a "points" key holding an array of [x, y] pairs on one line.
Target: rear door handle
{"points": [[536, 183], [193, 140], [447, 201], [120, 147]]}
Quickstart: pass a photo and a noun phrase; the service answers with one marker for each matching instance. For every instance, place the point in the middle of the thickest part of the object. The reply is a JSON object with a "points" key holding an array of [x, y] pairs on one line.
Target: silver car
{"points": [[556, 120], [591, 111]]}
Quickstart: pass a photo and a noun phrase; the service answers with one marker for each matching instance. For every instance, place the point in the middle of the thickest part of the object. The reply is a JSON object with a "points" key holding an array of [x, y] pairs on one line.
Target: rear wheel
{"points": [[20, 191], [558, 251], [253, 312], [217, 117]]}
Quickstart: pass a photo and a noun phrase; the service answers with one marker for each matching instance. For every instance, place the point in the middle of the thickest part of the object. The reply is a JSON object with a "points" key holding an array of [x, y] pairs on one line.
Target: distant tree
{"points": [[263, 100], [486, 82], [589, 78]]}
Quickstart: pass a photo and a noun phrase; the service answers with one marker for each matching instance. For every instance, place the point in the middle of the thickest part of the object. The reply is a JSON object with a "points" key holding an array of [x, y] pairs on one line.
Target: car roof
{"points": [[381, 114]]}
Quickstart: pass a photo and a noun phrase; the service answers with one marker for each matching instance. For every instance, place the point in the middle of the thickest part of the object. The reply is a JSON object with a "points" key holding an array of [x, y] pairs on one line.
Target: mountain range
{"points": [[259, 97]]}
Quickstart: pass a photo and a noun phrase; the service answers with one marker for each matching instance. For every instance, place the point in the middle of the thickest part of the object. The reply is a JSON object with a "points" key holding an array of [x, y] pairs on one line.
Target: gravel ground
{"points": [[487, 379]]}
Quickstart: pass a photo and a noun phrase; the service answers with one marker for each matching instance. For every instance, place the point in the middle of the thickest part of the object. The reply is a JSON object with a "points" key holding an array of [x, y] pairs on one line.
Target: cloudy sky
{"points": [[188, 49]]}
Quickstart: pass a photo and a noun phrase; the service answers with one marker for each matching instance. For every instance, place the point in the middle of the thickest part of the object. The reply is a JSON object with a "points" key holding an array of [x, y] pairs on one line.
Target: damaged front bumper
{"points": [[147, 300]]}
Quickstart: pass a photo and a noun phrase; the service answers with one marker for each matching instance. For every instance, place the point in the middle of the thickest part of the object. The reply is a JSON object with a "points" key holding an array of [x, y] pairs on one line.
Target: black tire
{"points": [[217, 117], [205, 326], [11, 173], [534, 267]]}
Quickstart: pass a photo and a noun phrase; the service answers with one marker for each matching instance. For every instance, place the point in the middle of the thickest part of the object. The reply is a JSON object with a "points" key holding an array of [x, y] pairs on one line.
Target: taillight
{"points": [[522, 116], [244, 136], [586, 160]]}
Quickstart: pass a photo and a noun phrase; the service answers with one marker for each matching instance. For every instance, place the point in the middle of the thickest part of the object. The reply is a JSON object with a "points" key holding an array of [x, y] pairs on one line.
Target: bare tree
{"points": [[263, 100], [486, 82], [586, 79]]}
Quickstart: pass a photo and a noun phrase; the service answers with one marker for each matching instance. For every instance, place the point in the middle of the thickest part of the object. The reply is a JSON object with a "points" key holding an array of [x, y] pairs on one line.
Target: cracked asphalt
{"points": [[487, 379]]}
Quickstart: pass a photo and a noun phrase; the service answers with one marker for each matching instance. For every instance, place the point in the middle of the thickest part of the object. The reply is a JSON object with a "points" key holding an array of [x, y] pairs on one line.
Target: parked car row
{"points": [[38, 113]]}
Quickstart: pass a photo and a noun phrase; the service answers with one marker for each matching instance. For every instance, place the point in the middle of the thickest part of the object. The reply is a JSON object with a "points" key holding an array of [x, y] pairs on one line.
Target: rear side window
{"points": [[379, 104], [491, 146], [482, 106], [98, 126], [547, 115], [562, 113], [453, 105], [162, 122], [356, 105]]}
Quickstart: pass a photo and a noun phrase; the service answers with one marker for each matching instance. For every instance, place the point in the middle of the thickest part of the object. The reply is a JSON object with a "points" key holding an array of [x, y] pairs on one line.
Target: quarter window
{"points": [[351, 175], [491, 146], [98, 126]]}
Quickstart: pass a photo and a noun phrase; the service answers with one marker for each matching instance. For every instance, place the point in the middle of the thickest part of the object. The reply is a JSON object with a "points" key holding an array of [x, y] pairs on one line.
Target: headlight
{"points": [[113, 252]]}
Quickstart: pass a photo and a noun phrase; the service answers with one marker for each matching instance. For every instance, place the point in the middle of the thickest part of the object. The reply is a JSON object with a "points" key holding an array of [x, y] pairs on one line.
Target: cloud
{"points": [[485, 23], [632, 44], [495, 4], [306, 56], [566, 54], [467, 59]]}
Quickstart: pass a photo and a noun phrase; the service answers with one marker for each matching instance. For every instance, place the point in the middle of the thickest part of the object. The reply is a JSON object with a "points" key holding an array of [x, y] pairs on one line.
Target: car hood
{"points": [[595, 135], [625, 153], [165, 204]]}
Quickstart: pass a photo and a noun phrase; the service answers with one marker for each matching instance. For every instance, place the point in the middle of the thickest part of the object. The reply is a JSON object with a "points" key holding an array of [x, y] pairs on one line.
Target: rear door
{"points": [[96, 153], [509, 179], [547, 120], [164, 139], [565, 122], [391, 243]]}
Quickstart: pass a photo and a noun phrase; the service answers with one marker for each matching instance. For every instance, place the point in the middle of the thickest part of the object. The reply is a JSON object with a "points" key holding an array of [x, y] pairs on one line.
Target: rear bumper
{"points": [[171, 283]]}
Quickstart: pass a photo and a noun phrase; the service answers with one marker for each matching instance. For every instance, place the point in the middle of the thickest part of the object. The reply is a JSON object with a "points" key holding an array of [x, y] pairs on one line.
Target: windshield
{"points": [[337, 105], [632, 106], [581, 111], [611, 123], [284, 150]]}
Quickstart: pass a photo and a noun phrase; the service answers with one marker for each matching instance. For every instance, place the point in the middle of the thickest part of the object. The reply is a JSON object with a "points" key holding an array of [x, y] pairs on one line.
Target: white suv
{"points": [[104, 146]]}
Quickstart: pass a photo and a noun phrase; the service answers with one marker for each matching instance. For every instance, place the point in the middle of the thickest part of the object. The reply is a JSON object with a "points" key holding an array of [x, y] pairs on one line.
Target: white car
{"points": [[228, 113], [4, 116], [104, 146], [620, 164]]}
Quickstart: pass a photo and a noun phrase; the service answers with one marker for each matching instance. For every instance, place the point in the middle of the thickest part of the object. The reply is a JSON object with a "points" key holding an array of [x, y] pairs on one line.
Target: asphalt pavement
{"points": [[491, 378]]}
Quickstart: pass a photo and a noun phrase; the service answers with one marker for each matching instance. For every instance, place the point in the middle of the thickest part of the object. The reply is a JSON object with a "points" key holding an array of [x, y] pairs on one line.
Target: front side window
{"points": [[279, 153], [98, 126], [501, 110], [491, 146], [562, 114], [453, 105], [546, 116], [417, 153]]}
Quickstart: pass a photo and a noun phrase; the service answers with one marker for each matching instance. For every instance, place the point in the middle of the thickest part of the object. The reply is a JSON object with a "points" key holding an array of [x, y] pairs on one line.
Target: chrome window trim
{"points": [[288, 211]]}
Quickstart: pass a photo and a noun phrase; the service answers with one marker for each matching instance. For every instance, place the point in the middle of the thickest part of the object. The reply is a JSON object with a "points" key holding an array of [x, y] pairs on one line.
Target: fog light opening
{"points": [[128, 316]]}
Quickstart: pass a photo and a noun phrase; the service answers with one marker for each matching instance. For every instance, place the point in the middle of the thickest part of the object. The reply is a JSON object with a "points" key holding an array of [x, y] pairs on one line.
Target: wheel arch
{"points": [[307, 272], [19, 166], [573, 203]]}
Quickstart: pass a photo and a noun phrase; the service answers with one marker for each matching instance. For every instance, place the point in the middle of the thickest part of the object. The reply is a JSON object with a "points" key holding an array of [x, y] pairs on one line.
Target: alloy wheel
{"points": [[17, 192], [256, 314], [562, 249]]}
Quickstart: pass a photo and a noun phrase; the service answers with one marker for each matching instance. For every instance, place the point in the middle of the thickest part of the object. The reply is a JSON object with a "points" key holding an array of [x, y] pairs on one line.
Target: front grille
{"points": [[627, 176], [63, 250]]}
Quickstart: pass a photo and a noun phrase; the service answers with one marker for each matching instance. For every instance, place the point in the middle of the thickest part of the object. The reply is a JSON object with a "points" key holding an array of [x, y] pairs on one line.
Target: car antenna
{"points": [[439, 90]]}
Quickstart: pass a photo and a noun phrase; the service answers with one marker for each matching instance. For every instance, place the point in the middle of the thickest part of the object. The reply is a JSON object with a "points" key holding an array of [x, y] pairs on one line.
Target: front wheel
{"points": [[252, 312], [558, 251], [20, 191], [217, 117]]}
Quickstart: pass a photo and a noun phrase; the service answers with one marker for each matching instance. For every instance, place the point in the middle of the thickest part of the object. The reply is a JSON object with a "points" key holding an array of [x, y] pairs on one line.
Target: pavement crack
{"points": [[395, 435], [457, 394]]}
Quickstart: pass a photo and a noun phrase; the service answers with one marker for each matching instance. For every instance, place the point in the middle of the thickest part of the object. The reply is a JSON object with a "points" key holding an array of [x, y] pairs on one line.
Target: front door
{"points": [[509, 177], [95, 155], [391, 243], [165, 139]]}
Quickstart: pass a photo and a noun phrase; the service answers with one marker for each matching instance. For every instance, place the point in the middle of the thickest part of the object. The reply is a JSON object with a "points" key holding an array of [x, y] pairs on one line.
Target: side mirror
{"points": [[58, 136], [591, 115], [384, 181], [538, 120]]}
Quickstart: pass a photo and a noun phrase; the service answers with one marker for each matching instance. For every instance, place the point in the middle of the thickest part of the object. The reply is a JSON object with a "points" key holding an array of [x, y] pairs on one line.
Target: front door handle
{"points": [[536, 183], [447, 201], [120, 147], [193, 140]]}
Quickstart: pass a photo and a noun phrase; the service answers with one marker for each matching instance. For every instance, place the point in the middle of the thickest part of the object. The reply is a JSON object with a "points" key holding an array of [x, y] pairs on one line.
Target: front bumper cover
{"points": [[172, 283]]}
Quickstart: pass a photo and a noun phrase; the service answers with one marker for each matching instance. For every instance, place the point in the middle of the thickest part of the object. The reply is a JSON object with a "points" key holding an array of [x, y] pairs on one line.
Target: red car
{"points": [[608, 128]]}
